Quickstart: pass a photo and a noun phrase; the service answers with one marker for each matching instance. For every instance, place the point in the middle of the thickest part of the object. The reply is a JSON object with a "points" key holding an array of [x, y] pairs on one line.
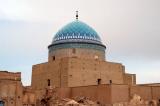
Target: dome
{"points": [[76, 31], [76, 34]]}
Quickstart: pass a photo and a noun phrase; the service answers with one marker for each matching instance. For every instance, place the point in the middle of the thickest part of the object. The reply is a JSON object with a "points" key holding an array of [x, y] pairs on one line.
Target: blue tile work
{"points": [[76, 31], [76, 35]]}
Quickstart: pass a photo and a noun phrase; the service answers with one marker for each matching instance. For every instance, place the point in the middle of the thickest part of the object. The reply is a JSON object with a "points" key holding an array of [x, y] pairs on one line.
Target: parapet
{"points": [[5, 75]]}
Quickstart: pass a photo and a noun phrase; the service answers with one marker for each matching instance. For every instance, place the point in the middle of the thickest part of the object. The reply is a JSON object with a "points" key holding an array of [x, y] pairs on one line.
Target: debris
{"points": [[136, 100], [72, 103]]}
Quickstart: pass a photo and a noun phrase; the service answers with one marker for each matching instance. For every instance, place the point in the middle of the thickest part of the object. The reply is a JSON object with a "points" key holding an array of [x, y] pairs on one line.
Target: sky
{"points": [[130, 29]]}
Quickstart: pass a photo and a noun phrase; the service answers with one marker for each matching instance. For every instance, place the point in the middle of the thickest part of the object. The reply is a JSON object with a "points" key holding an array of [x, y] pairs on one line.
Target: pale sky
{"points": [[129, 28]]}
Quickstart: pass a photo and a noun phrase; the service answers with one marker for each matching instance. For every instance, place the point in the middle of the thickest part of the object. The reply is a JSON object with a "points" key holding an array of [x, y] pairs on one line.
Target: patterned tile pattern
{"points": [[76, 31]]}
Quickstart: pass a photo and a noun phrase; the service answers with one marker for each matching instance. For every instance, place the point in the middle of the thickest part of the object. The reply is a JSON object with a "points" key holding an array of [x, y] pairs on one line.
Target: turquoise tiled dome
{"points": [[76, 35], [76, 31]]}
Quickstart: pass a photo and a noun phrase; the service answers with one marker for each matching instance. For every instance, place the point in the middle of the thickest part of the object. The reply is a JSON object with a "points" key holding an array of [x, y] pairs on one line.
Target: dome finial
{"points": [[76, 15]]}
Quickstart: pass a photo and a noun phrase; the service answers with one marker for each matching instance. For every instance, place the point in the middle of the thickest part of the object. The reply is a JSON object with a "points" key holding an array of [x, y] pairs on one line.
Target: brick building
{"points": [[77, 66]]}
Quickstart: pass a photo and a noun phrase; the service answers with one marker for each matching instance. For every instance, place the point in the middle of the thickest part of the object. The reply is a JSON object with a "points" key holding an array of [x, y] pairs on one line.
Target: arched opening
{"points": [[1, 103]]}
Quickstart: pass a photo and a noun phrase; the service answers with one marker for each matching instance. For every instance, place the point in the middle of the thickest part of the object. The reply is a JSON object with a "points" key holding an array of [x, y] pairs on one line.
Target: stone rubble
{"points": [[138, 101], [78, 101]]}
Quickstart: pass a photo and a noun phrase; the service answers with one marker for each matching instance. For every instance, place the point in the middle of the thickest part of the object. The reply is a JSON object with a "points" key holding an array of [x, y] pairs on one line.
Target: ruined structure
{"points": [[10, 89], [12, 92], [77, 66]]}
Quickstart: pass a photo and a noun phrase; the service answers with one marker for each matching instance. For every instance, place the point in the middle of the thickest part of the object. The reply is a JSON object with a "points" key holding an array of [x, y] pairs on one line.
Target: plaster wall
{"points": [[99, 93], [143, 91], [72, 72], [119, 93], [129, 79], [55, 71], [11, 89], [84, 72], [155, 92], [77, 52]]}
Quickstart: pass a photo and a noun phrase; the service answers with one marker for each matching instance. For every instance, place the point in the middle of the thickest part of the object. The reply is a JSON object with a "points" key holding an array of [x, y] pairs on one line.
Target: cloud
{"points": [[129, 28], [23, 44]]}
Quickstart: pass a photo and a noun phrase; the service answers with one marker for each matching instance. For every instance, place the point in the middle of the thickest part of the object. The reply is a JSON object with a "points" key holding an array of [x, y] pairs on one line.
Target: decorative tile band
{"points": [[54, 47]]}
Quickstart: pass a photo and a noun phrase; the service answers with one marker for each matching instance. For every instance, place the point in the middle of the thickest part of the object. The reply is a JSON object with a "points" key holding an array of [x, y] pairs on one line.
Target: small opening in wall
{"points": [[49, 82], [73, 50], [98, 81], [19, 97], [110, 81], [98, 102], [53, 58]]}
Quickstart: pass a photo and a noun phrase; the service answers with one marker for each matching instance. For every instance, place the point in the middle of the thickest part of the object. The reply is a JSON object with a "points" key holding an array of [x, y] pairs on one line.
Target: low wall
{"points": [[111, 93], [106, 94], [143, 91], [146, 92], [120, 93], [64, 92], [99, 93], [114, 93], [156, 92]]}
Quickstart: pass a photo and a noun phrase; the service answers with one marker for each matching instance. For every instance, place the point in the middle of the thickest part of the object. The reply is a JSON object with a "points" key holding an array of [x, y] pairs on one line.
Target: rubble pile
{"points": [[85, 101], [121, 104], [78, 101], [137, 101], [51, 99], [68, 102]]}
